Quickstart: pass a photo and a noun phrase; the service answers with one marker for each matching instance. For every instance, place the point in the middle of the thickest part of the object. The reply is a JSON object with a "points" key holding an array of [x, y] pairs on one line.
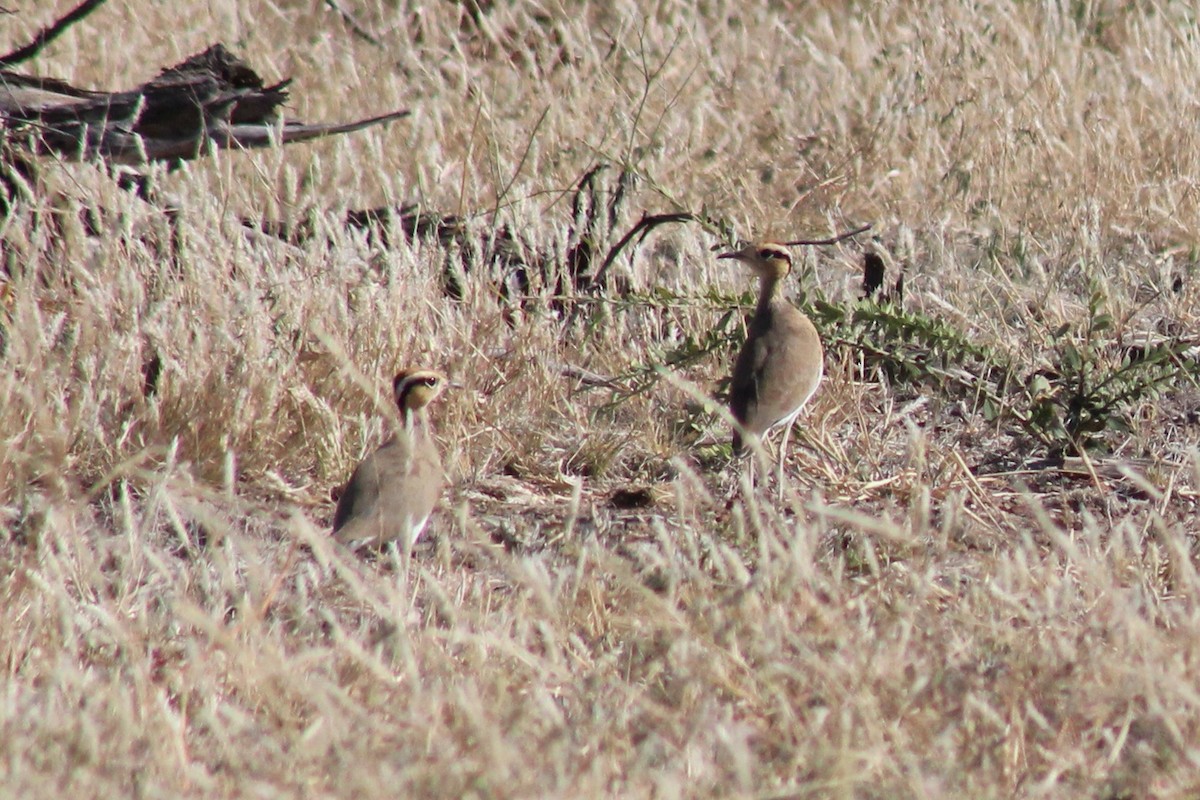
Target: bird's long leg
{"points": [[783, 443]]}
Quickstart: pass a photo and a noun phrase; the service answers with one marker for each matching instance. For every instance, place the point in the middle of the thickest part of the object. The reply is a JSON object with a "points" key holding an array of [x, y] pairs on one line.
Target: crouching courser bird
{"points": [[781, 363], [393, 491]]}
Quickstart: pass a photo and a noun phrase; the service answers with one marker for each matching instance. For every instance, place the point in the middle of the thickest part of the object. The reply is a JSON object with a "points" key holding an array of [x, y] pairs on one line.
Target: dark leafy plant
{"points": [[1093, 382]]}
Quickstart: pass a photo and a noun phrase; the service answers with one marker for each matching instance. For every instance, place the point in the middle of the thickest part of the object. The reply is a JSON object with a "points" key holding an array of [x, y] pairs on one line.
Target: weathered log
{"points": [[211, 100]]}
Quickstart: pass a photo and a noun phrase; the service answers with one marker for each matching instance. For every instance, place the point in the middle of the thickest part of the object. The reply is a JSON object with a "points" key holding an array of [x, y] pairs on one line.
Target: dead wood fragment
{"points": [[49, 34], [647, 223], [352, 23], [831, 240], [515, 264], [874, 270], [212, 99], [509, 258]]}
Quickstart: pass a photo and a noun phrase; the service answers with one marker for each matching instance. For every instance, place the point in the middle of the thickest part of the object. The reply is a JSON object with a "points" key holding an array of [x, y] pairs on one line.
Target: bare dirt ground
{"points": [[973, 586]]}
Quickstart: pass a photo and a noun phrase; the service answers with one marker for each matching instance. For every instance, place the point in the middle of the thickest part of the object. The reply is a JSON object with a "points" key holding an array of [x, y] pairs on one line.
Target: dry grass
{"points": [[906, 624]]}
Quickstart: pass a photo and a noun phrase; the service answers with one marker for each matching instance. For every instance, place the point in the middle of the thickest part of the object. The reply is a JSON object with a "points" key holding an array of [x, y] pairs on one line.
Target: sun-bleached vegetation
{"points": [[981, 581]]}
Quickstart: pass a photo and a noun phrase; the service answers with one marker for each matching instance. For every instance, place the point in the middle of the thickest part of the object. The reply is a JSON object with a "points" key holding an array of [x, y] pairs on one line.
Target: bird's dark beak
{"points": [[735, 255]]}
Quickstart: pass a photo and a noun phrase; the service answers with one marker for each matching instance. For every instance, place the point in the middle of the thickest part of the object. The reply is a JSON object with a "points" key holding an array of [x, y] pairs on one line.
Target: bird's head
{"points": [[766, 259], [415, 389]]}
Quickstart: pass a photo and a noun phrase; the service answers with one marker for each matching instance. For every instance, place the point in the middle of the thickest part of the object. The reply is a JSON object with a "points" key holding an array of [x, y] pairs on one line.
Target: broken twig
{"points": [[833, 240], [352, 23], [647, 223], [46, 35]]}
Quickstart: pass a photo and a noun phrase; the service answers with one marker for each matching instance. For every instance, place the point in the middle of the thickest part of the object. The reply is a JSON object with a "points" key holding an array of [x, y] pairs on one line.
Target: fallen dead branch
{"points": [[212, 100]]}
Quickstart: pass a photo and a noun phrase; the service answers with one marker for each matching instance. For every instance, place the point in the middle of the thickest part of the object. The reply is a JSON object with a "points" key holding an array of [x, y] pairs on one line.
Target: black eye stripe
{"points": [[404, 387], [405, 383], [409, 381]]}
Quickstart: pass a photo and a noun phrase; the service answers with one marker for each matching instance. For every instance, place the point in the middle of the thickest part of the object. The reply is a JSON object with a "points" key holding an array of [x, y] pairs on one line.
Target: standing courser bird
{"points": [[782, 361], [393, 491]]}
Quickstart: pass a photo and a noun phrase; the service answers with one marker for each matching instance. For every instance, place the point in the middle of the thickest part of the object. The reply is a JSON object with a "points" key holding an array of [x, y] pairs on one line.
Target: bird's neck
{"points": [[766, 292], [411, 418]]}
